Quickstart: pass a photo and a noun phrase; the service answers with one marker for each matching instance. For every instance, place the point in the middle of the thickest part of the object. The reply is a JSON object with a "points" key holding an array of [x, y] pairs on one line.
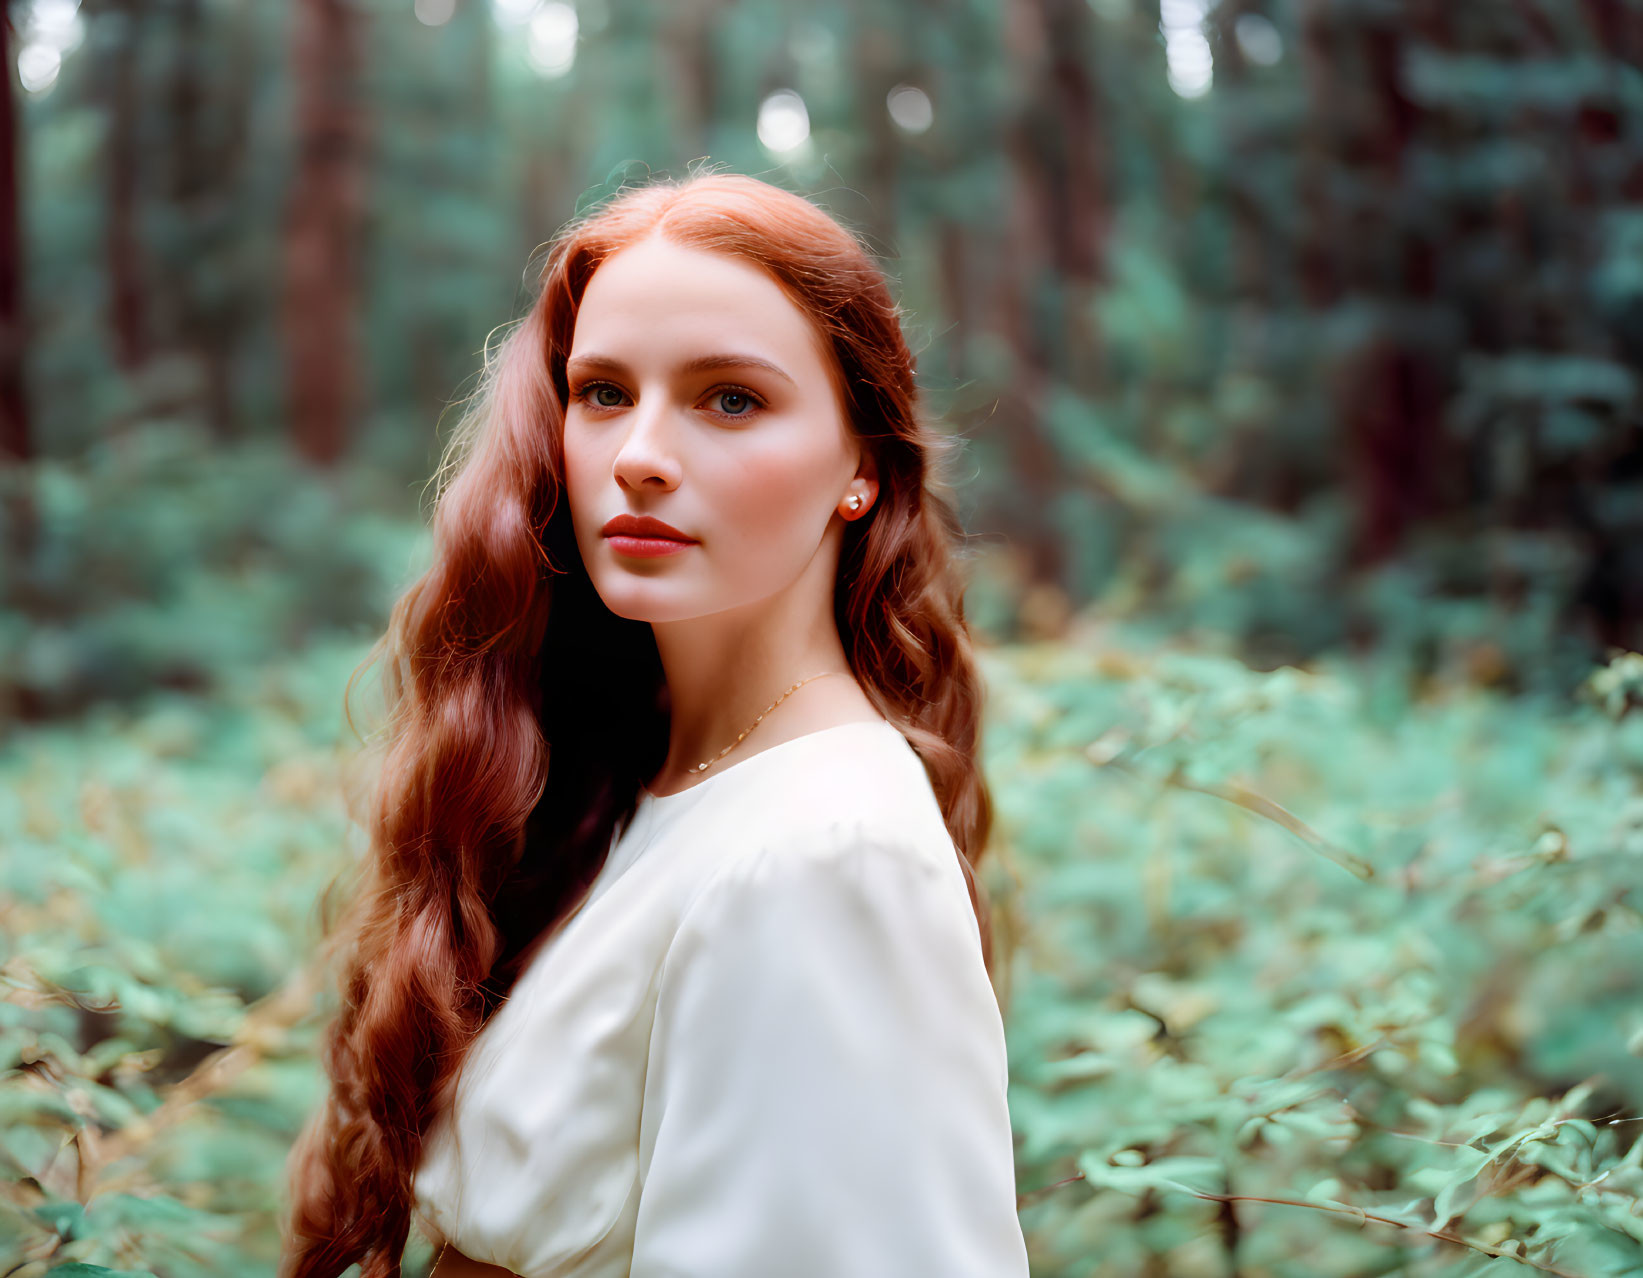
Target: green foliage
{"points": [[1317, 965], [1370, 972], [1343, 352], [157, 559], [162, 868], [1282, 936]]}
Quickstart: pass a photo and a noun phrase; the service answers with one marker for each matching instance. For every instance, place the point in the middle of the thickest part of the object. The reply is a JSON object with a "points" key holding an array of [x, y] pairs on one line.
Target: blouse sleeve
{"points": [[826, 1089]]}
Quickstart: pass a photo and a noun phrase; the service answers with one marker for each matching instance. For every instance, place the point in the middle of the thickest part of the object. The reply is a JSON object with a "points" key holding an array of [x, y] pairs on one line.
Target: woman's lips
{"points": [[646, 547]]}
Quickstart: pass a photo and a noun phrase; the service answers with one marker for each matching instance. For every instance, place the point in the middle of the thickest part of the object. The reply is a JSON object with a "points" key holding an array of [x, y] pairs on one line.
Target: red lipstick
{"points": [[644, 537]]}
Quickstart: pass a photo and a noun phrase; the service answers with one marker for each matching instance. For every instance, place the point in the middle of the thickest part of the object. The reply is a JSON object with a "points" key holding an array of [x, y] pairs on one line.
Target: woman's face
{"points": [[747, 458]]}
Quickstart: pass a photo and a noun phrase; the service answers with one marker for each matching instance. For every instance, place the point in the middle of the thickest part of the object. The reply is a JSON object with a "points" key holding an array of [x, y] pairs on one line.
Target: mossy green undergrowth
{"points": [[1301, 977], [1310, 980]]}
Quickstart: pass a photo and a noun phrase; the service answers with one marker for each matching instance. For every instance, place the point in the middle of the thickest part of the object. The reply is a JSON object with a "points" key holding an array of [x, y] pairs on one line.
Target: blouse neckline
{"points": [[663, 802]]}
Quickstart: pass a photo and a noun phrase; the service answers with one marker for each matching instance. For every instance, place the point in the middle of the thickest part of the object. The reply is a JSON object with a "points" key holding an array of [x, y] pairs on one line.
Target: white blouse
{"points": [[765, 1044]]}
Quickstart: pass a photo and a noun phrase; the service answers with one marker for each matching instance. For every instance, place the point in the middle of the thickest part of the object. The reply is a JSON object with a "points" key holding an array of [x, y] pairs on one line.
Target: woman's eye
{"points": [[738, 403], [735, 401], [586, 390]]}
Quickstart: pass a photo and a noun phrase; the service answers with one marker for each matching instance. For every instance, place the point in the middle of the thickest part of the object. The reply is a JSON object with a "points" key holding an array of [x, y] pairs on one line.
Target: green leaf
{"points": [[1165, 1173], [64, 1218]]}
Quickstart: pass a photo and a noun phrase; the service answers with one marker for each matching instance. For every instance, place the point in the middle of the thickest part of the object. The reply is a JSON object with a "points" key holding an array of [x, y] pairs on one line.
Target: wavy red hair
{"points": [[512, 750]]}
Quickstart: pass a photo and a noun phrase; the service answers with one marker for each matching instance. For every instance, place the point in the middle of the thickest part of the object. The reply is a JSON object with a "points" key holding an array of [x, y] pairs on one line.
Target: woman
{"points": [[681, 800]]}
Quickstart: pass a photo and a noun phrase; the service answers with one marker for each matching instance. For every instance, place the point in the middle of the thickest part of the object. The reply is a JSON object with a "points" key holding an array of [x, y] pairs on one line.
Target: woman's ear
{"points": [[859, 497]]}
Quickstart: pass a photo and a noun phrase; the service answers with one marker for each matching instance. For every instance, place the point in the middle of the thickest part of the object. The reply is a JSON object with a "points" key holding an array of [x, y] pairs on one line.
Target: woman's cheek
{"points": [[579, 490], [772, 510]]}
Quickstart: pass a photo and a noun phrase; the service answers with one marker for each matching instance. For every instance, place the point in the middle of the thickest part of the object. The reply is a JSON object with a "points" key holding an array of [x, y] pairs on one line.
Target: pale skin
{"points": [[763, 484], [757, 464]]}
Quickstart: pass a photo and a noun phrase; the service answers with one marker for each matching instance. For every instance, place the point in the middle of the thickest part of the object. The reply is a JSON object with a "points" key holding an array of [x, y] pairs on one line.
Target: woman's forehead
{"points": [[659, 300]]}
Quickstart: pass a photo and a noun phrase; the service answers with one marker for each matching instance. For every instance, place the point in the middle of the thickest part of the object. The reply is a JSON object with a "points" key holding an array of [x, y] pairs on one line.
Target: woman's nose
{"points": [[649, 451]]}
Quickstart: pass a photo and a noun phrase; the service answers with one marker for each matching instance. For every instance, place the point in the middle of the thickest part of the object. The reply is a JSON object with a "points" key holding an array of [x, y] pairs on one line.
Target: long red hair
{"points": [[512, 750]]}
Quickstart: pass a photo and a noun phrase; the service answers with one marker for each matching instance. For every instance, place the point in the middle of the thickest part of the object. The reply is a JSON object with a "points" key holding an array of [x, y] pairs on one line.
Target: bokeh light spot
{"points": [[784, 123], [910, 108]]}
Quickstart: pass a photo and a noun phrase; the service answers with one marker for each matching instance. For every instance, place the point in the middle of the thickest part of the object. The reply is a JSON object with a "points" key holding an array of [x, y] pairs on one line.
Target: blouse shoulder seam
{"points": [[901, 849], [841, 843]]}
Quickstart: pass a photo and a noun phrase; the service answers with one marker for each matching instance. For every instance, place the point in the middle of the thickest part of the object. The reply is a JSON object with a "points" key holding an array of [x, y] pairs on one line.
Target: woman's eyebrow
{"points": [[702, 363]]}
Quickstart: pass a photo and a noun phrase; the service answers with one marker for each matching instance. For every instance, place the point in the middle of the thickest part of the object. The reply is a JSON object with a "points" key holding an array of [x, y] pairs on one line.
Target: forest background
{"points": [[1296, 345]]}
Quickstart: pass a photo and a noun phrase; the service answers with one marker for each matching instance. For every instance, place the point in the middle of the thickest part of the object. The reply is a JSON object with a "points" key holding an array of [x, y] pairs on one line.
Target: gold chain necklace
{"points": [[703, 767]]}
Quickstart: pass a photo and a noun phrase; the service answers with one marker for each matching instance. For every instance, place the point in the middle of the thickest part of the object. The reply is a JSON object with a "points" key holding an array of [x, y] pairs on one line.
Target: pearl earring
{"points": [[853, 501]]}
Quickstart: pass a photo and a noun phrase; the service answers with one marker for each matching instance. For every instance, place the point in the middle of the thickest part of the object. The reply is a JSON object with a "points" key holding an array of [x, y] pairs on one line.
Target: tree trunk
{"points": [[323, 224], [1027, 268], [125, 282], [201, 174], [15, 443], [1393, 392]]}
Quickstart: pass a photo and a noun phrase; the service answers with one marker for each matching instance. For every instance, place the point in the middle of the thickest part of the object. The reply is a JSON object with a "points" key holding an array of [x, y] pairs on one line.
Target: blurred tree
{"points": [[322, 231], [209, 81], [445, 243], [121, 28], [1057, 223], [14, 422], [1298, 322]]}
